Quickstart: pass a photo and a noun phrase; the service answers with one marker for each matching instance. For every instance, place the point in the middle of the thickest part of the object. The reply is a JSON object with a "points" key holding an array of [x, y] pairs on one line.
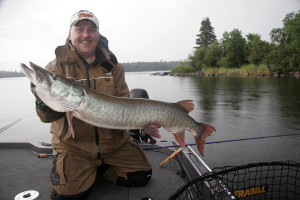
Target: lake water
{"points": [[238, 107]]}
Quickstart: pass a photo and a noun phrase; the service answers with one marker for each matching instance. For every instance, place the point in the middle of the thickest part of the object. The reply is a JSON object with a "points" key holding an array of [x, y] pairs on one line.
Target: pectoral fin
{"points": [[152, 129], [69, 116], [180, 138]]}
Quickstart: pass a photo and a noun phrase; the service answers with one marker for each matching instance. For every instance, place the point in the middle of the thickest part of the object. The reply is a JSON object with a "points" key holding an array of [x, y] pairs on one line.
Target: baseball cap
{"points": [[84, 14]]}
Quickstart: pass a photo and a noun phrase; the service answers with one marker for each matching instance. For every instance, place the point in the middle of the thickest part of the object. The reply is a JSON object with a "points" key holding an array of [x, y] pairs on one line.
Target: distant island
{"points": [[9, 74], [149, 66], [128, 67]]}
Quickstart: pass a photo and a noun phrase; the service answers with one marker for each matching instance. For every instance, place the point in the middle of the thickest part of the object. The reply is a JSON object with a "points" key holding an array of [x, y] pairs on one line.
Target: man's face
{"points": [[84, 37]]}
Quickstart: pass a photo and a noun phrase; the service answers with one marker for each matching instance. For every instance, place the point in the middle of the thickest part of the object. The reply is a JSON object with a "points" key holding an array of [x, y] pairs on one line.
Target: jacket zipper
{"points": [[95, 128], [64, 128]]}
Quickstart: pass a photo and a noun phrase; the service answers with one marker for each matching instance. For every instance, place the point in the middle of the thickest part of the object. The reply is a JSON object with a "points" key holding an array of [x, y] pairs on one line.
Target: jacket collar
{"points": [[68, 55]]}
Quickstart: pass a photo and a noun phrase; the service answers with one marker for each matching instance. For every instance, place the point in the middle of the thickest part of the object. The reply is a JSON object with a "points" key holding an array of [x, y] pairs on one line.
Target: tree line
{"points": [[128, 67], [8, 74], [149, 66], [235, 51]]}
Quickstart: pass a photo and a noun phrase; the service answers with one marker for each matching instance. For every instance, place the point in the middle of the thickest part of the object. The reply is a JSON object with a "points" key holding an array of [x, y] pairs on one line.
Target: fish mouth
{"points": [[36, 74], [41, 75], [29, 73]]}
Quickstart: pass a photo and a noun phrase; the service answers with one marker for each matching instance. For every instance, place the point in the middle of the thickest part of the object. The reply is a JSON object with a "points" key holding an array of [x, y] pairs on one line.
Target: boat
{"points": [[25, 174], [26, 167]]}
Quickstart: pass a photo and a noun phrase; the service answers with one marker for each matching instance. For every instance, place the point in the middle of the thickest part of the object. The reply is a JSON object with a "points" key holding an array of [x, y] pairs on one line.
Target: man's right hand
{"points": [[39, 103]]}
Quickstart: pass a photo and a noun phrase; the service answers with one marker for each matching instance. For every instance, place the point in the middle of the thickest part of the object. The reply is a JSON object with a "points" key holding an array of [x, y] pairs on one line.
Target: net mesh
{"points": [[274, 180]]}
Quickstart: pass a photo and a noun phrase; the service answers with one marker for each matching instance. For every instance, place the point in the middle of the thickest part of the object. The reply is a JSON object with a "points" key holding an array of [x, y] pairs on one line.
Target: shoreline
{"points": [[273, 74], [200, 74]]}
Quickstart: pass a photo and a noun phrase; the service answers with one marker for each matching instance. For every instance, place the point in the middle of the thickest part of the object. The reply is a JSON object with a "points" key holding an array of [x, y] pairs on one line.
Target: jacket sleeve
{"points": [[120, 83], [48, 115]]}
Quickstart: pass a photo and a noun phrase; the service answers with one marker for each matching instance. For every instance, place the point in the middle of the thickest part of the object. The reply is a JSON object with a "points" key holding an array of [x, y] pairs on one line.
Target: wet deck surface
{"points": [[21, 170]]}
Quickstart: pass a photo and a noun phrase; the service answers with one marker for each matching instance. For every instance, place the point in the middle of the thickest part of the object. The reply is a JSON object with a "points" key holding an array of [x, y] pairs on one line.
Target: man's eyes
{"points": [[89, 30], [92, 30]]}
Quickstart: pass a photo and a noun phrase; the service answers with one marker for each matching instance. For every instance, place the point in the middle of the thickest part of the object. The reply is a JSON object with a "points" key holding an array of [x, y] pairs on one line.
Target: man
{"points": [[111, 154]]}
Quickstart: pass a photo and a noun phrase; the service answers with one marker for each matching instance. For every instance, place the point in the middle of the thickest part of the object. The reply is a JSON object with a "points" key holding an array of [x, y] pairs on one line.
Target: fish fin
{"points": [[69, 119], [186, 105], [152, 129], [200, 141], [180, 138]]}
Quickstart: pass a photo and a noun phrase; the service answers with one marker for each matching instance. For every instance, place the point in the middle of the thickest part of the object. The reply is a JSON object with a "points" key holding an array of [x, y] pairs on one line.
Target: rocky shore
{"points": [[274, 74]]}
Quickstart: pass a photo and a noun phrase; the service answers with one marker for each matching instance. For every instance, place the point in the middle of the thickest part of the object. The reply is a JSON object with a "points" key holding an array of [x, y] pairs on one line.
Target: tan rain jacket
{"points": [[105, 75]]}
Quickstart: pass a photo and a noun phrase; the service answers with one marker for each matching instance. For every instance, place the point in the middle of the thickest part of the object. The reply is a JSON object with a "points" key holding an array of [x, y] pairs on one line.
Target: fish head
{"points": [[57, 92], [38, 76]]}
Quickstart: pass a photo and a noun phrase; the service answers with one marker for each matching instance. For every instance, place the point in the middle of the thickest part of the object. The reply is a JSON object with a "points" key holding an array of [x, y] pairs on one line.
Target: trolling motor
{"points": [[139, 135]]}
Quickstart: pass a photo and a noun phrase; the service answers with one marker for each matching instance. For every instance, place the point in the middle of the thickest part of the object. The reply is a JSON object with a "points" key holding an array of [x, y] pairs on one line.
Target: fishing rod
{"points": [[222, 141], [193, 144], [9, 125]]}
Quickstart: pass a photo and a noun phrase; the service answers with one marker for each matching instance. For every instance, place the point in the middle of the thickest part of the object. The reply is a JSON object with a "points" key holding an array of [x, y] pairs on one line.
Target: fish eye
{"points": [[55, 77]]}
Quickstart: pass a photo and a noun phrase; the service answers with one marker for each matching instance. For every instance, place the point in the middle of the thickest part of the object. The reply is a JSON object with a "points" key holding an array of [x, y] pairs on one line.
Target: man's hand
{"points": [[39, 103]]}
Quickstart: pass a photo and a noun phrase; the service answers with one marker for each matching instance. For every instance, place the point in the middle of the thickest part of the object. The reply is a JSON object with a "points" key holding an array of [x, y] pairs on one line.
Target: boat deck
{"points": [[21, 170]]}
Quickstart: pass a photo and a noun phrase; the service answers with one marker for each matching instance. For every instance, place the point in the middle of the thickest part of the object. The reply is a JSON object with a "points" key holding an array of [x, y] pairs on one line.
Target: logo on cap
{"points": [[83, 15]]}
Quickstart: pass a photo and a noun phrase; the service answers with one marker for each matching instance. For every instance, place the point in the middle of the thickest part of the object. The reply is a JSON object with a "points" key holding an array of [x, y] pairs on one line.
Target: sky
{"points": [[137, 30]]}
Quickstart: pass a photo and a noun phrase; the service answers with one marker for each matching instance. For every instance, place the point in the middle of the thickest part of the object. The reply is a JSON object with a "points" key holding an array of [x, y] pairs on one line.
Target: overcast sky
{"points": [[137, 30]]}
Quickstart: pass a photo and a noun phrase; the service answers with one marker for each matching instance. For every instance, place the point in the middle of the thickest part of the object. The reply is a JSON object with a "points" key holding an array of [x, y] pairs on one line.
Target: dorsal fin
{"points": [[186, 105]]}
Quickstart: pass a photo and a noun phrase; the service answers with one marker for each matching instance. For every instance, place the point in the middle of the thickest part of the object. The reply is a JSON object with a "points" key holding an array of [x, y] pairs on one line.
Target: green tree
{"points": [[182, 67], [257, 49], [213, 55], [292, 28], [235, 49], [278, 36], [196, 60], [206, 56], [287, 41], [207, 36]]}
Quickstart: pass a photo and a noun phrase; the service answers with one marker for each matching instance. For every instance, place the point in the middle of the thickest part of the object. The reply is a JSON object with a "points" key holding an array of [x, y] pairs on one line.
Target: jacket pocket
{"points": [[57, 175]]}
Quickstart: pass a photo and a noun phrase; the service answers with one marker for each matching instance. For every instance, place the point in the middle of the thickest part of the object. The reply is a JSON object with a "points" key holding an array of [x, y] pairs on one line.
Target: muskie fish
{"points": [[90, 106]]}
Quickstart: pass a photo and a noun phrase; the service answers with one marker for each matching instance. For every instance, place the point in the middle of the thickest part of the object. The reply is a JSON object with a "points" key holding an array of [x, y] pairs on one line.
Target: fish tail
{"points": [[205, 131]]}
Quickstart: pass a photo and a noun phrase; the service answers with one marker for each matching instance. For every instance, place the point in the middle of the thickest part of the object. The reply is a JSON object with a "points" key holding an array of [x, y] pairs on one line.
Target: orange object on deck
{"points": [[171, 156]]}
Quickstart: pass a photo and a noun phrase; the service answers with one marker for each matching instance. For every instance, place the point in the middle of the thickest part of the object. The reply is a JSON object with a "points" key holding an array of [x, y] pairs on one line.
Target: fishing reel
{"points": [[139, 135]]}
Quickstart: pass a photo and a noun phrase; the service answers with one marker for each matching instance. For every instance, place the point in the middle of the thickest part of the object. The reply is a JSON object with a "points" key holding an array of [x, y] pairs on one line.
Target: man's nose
{"points": [[85, 33]]}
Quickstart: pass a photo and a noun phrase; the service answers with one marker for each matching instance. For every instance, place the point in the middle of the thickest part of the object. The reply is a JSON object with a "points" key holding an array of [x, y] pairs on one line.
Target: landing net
{"points": [[274, 180]]}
